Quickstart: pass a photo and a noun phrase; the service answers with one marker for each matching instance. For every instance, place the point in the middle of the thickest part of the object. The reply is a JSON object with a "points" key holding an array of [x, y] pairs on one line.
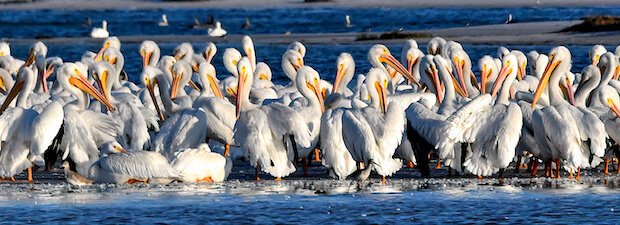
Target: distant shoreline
{"points": [[261, 4]]}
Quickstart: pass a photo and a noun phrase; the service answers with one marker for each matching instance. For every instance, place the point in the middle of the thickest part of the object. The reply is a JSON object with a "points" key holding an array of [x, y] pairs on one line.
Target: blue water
{"points": [[70, 23]]}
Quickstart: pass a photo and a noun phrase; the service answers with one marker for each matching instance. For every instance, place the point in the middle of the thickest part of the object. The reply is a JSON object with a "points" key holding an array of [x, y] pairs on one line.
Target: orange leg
{"points": [[3, 178], [570, 175], [548, 170], [226, 150], [438, 166], [278, 179], [480, 177], [30, 174], [205, 179], [557, 167], [518, 166], [606, 169], [410, 164], [578, 174], [12, 179], [316, 155], [383, 180], [257, 169]]}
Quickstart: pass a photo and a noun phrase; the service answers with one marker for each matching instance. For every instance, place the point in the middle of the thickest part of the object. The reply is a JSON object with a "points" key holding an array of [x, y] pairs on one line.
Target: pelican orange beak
{"points": [[102, 82], [194, 85], [17, 87], [262, 76], [176, 79], [617, 72], [411, 62], [215, 87], [456, 85], [146, 57], [100, 52], [521, 72], [459, 64], [503, 73], [250, 55], [208, 56], [544, 80], [472, 78], [82, 83], [484, 78], [339, 76], [567, 88], [151, 88], [613, 107], [300, 63], [240, 84], [387, 58], [120, 150], [381, 90], [46, 74], [30, 58], [432, 74], [316, 90]]}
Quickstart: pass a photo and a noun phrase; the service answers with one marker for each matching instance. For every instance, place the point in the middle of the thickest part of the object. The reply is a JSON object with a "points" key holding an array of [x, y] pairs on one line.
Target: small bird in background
{"points": [[247, 24], [75, 178], [347, 18], [88, 22], [509, 20], [164, 21], [100, 32], [217, 31]]}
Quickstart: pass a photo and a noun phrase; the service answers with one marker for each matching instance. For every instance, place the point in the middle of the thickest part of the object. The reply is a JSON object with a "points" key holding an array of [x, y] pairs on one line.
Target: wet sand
{"points": [[154, 4]]}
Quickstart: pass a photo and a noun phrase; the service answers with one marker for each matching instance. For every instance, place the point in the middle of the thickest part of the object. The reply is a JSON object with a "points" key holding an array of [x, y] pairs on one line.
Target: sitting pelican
{"points": [[201, 165], [264, 131], [100, 32], [164, 21], [120, 166], [217, 31]]}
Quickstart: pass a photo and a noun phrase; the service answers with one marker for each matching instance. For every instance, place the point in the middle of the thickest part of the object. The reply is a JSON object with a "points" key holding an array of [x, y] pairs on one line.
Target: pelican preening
{"points": [[398, 112]]}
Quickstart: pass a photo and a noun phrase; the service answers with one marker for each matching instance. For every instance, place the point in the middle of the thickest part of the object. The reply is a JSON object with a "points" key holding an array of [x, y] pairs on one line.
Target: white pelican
{"points": [[150, 53], [291, 62], [298, 47], [248, 48], [462, 64], [488, 73], [84, 130], [184, 52], [265, 130], [580, 125], [130, 114], [100, 32], [217, 31], [5, 49], [491, 130], [374, 132], [25, 133], [201, 165], [380, 54], [164, 21], [219, 112], [209, 52], [120, 166], [263, 88], [111, 42]]}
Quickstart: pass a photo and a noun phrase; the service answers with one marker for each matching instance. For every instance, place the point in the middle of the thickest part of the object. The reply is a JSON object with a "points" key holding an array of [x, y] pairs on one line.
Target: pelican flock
{"points": [[186, 122]]}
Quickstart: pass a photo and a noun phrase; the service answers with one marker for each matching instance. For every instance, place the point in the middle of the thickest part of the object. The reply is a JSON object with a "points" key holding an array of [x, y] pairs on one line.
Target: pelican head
{"points": [[412, 57], [71, 77], [502, 51], [208, 78], [345, 70], [183, 52], [376, 82], [262, 72], [292, 61], [209, 52], [522, 59], [25, 79], [488, 72], [461, 62], [166, 64], [435, 45], [5, 49], [231, 58], [298, 47], [248, 47], [230, 85], [149, 79], [112, 148], [111, 42], [429, 76], [559, 60], [595, 53], [37, 49], [114, 57], [181, 74], [150, 53], [100, 71], [244, 83], [606, 62], [510, 65], [308, 83], [380, 54], [6, 81]]}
